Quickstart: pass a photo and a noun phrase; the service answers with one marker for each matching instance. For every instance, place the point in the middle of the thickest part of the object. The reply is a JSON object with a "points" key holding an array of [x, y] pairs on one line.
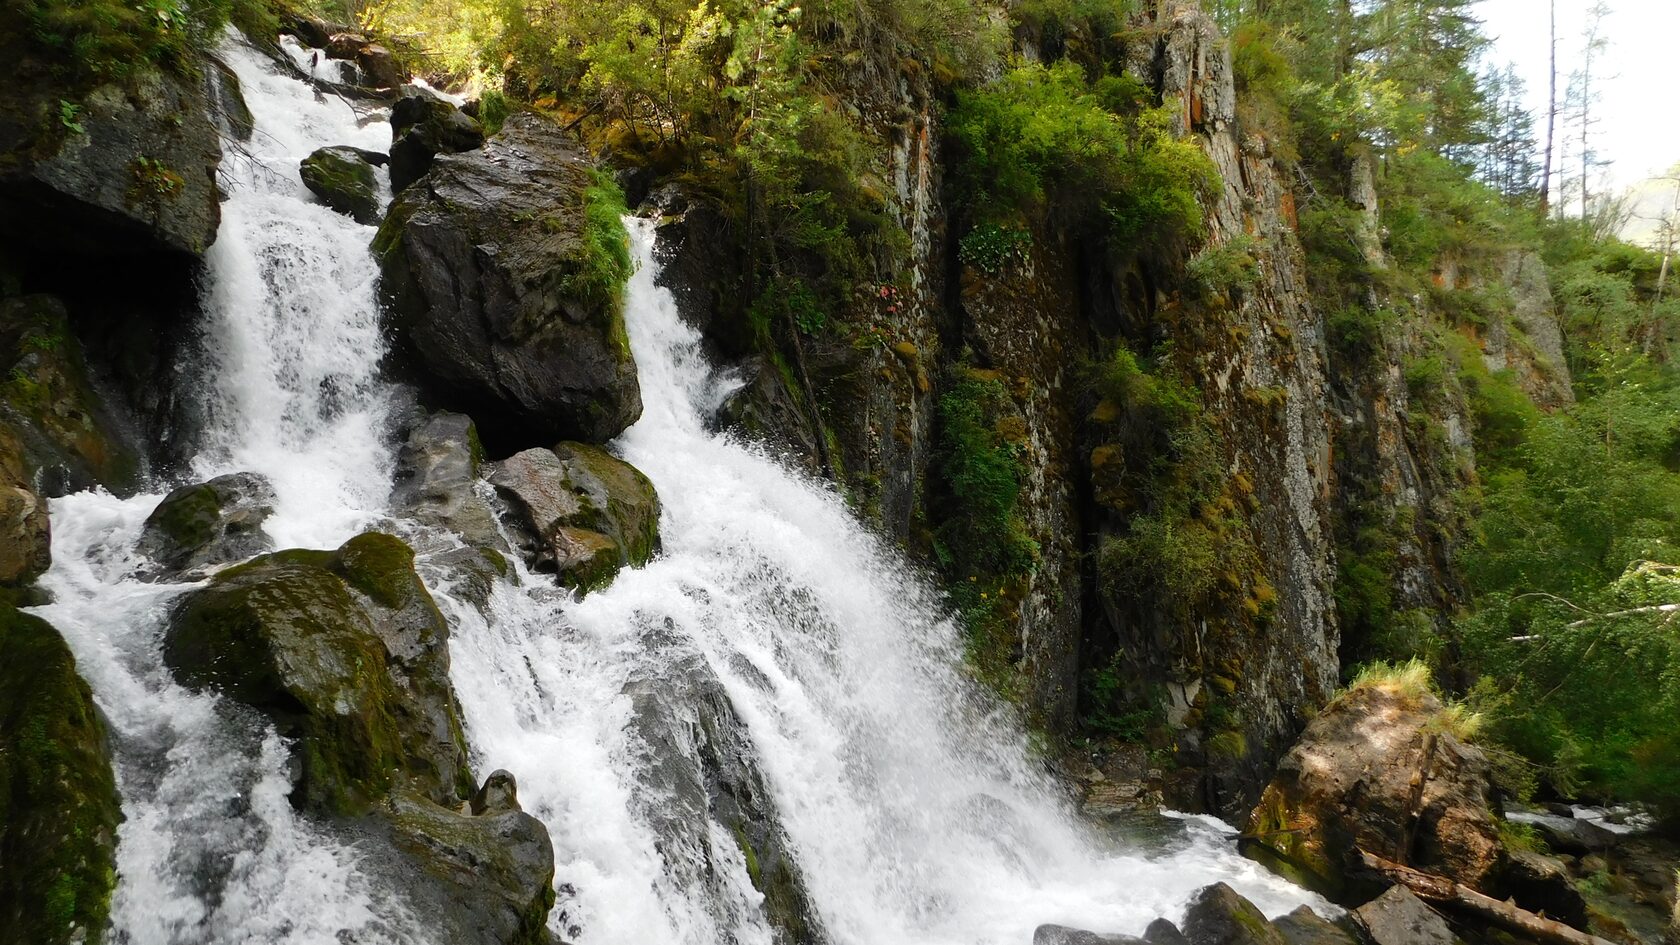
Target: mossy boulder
{"points": [[25, 538], [209, 523], [583, 512], [67, 437], [422, 127], [346, 652], [494, 278], [345, 181], [59, 808], [1219, 915], [486, 871], [437, 475]]}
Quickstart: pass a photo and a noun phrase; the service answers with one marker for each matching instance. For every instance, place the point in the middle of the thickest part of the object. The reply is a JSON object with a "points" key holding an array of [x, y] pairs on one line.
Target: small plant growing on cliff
{"points": [[153, 180], [991, 248], [69, 115], [603, 260], [1224, 268]]}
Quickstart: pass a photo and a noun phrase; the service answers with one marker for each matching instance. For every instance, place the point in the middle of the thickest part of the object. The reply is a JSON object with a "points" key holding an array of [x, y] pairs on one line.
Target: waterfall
{"points": [[909, 800]]}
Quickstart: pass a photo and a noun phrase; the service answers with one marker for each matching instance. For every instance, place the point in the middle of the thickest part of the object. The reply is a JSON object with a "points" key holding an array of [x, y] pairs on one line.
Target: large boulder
{"points": [[422, 127], [1380, 769], [491, 277], [1219, 915], [210, 523], [583, 512], [345, 181], [485, 872], [59, 808], [121, 169], [376, 67], [346, 652], [1398, 917], [437, 476], [25, 539], [68, 437], [1306, 927]]}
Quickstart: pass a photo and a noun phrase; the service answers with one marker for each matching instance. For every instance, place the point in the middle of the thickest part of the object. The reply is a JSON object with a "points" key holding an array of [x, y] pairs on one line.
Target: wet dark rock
{"points": [[1306, 927], [59, 808], [227, 100], [1376, 771], [1398, 917], [765, 409], [1218, 915], [424, 126], [346, 652], [1163, 932], [704, 763], [437, 473], [376, 65], [345, 181], [25, 535], [137, 179], [209, 523], [1062, 935], [67, 438], [584, 512], [1542, 884], [484, 878], [479, 264]]}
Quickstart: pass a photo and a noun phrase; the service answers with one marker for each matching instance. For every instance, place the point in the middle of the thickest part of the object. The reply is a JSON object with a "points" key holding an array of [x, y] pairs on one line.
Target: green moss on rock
{"points": [[59, 808]]}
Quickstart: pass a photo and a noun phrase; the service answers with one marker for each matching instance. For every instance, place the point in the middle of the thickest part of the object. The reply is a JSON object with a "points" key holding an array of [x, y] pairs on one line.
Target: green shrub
{"points": [[1223, 268], [602, 262], [109, 39], [990, 247]]}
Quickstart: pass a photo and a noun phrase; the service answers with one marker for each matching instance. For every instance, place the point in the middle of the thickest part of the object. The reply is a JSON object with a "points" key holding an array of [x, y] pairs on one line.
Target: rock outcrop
{"points": [[1399, 918], [437, 469], [376, 66], [25, 536], [1379, 769], [584, 513], [481, 265], [422, 127], [346, 652], [59, 808], [345, 181], [210, 523]]}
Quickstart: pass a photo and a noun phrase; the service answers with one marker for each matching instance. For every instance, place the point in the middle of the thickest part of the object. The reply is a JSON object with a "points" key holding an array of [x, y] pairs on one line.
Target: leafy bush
{"points": [[990, 247], [603, 259], [109, 39], [1223, 268]]}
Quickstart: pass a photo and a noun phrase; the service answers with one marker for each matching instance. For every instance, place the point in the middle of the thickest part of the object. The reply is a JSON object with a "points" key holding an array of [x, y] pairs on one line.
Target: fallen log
{"points": [[1439, 889]]}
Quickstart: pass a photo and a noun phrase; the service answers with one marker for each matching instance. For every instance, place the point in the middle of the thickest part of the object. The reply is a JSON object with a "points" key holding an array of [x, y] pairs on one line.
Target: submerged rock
{"points": [[215, 522], [584, 512], [346, 652], [345, 181], [1398, 917], [1377, 770], [481, 276], [1062, 935], [422, 127], [59, 808], [1218, 915]]}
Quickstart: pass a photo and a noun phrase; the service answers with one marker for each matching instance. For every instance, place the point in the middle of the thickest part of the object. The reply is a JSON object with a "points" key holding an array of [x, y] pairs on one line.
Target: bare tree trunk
{"points": [[1551, 122], [1440, 889]]}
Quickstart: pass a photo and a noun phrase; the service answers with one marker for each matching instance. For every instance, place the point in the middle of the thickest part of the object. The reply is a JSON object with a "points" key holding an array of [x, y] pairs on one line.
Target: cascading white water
{"points": [[909, 800]]}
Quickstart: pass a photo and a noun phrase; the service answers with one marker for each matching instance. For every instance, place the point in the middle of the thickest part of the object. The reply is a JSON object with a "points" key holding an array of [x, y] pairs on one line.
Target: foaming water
{"points": [[907, 797], [211, 849], [910, 799]]}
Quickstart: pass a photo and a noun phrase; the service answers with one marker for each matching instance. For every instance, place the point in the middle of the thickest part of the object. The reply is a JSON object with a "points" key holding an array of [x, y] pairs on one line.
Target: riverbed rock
{"points": [[424, 126], [1377, 770], [1306, 927], [59, 808], [345, 181], [346, 652], [480, 275], [376, 66], [25, 536], [1398, 917], [208, 523], [1219, 915], [1062, 935], [1542, 884], [584, 512], [437, 471], [68, 438], [485, 876]]}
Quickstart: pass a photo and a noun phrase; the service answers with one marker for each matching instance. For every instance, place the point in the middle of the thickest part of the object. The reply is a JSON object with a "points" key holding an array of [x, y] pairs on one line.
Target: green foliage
{"points": [[990, 247], [492, 110], [153, 180], [603, 258], [69, 115], [1043, 135], [1223, 269], [109, 39]]}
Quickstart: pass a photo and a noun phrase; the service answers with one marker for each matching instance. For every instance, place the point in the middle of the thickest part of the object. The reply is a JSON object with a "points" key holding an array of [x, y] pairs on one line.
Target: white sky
{"points": [[1641, 130]]}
